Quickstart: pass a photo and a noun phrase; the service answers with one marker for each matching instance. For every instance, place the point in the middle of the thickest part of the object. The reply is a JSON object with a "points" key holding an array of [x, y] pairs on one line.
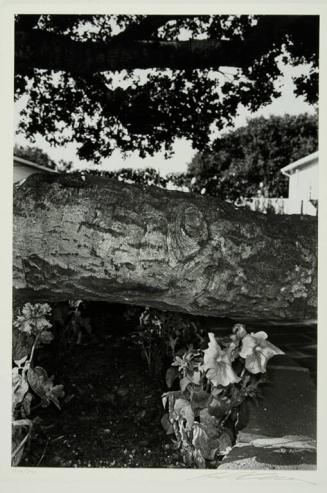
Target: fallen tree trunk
{"points": [[100, 239]]}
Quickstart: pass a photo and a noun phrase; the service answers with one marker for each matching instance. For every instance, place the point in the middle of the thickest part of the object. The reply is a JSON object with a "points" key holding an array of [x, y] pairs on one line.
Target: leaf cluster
{"points": [[29, 382], [214, 385]]}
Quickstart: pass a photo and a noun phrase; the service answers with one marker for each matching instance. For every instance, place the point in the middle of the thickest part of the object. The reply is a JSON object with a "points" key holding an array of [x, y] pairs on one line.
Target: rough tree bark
{"points": [[100, 239]]}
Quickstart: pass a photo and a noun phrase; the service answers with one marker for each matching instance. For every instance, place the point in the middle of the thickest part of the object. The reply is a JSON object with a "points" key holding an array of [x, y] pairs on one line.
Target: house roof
{"points": [[31, 164], [299, 163]]}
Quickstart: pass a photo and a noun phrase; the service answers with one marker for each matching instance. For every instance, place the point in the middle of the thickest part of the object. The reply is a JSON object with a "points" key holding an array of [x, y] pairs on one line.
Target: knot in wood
{"points": [[189, 234]]}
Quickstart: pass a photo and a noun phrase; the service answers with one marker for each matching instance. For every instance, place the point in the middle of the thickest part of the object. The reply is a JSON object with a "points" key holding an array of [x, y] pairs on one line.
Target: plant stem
{"points": [[16, 386], [33, 348], [22, 443], [147, 356], [225, 418]]}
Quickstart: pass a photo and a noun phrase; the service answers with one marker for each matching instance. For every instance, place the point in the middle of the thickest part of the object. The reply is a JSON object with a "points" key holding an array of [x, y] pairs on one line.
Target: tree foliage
{"points": [[254, 154], [139, 82]]}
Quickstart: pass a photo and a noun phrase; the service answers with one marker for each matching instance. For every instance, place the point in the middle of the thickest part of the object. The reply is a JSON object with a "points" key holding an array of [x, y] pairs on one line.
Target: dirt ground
{"points": [[111, 413]]}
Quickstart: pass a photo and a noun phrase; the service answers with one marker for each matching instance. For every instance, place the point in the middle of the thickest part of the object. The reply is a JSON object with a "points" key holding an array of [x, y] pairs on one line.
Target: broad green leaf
{"points": [[37, 378], [20, 362], [164, 399], [200, 399], [219, 407], [236, 396], [187, 453], [198, 458], [56, 393], [19, 387], [196, 377], [22, 423], [43, 386], [170, 396], [184, 382], [183, 409], [21, 344], [210, 423], [171, 375], [19, 434], [15, 374], [216, 391], [225, 442], [202, 442], [166, 424], [27, 403]]}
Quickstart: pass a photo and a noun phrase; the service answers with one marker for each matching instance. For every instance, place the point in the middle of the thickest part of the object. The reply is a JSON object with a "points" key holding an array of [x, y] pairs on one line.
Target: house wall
{"points": [[303, 186]]}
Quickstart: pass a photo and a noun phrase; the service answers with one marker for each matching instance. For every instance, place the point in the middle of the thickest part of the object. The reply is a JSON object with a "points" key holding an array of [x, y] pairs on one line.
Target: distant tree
{"points": [[38, 156], [145, 177], [64, 166], [254, 154]]}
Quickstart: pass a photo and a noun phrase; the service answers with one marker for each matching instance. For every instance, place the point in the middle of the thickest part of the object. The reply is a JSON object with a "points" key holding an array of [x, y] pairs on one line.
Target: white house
{"points": [[24, 168], [303, 185]]}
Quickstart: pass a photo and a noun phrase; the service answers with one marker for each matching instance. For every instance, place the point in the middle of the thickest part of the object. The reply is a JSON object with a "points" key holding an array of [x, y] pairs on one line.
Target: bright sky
{"points": [[183, 154]]}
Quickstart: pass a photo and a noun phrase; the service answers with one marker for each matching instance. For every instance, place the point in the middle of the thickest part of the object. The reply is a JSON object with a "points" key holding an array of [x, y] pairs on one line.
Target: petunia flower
{"points": [[217, 364], [257, 351]]}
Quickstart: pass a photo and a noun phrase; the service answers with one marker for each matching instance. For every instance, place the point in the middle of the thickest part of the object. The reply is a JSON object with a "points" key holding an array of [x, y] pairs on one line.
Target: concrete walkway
{"points": [[281, 433]]}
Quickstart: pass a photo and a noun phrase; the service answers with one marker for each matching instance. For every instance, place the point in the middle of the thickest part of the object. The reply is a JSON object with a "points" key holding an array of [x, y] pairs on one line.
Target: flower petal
{"points": [[259, 335], [248, 344], [212, 353], [256, 362], [269, 350], [222, 374], [230, 353]]}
